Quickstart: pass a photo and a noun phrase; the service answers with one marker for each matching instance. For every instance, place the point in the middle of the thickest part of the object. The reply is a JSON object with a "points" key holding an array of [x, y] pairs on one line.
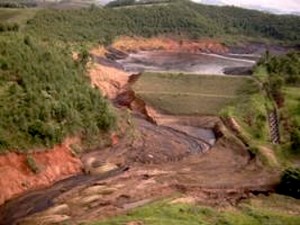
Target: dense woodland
{"points": [[181, 18]]}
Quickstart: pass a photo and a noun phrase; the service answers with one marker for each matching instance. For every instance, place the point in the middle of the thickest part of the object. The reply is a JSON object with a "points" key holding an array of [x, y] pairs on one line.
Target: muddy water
{"points": [[197, 63], [207, 135], [36, 201]]}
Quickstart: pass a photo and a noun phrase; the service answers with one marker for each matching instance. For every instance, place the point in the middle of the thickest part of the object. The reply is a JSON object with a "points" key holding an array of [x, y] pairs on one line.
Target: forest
{"points": [[183, 19]]}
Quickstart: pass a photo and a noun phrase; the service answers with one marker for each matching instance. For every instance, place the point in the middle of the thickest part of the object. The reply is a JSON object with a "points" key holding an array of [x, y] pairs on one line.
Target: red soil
{"points": [[55, 164], [133, 44], [108, 79]]}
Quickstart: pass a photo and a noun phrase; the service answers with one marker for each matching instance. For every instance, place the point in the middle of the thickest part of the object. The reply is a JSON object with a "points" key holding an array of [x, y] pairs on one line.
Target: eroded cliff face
{"points": [[53, 165], [108, 79], [134, 44]]}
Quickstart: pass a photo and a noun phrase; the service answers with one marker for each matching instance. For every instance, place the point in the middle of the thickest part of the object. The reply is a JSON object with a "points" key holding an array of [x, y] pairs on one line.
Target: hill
{"points": [[121, 3], [182, 19], [60, 4]]}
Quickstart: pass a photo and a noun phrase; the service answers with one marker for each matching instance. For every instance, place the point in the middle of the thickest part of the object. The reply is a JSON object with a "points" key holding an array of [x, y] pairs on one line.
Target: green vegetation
{"points": [[280, 76], [14, 19], [31, 163], [190, 94], [45, 96], [291, 118], [15, 15], [18, 3], [60, 4], [273, 210], [250, 110], [120, 3], [290, 182], [285, 66], [181, 18]]}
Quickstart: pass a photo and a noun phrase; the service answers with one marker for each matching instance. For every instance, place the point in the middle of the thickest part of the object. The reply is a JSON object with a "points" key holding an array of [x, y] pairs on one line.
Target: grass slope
{"points": [[290, 124], [292, 102], [189, 94], [275, 210]]}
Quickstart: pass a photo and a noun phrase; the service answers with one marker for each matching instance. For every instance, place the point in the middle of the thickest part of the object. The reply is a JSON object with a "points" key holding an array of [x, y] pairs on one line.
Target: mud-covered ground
{"points": [[197, 63], [154, 162], [194, 58]]}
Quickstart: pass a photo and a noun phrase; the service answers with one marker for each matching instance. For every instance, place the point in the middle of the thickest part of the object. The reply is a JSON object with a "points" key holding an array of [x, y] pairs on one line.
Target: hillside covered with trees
{"points": [[181, 18], [44, 96]]}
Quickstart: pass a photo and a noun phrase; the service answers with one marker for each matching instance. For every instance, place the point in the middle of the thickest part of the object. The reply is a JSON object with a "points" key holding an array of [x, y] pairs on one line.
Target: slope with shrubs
{"points": [[261, 210], [182, 18], [44, 96], [282, 82], [121, 3], [279, 90]]}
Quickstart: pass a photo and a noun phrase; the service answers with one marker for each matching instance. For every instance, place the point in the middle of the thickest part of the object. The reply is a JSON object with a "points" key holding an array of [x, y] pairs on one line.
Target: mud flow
{"points": [[160, 155]]}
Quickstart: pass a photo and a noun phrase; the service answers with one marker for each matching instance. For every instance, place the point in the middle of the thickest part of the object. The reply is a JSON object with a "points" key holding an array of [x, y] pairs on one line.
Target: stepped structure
{"points": [[274, 126]]}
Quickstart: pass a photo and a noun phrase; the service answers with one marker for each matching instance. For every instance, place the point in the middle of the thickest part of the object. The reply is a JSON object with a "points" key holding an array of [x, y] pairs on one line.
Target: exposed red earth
{"points": [[54, 164], [135, 44]]}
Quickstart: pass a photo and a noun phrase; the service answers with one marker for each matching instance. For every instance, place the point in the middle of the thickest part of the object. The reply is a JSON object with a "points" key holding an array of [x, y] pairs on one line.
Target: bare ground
{"points": [[163, 164]]}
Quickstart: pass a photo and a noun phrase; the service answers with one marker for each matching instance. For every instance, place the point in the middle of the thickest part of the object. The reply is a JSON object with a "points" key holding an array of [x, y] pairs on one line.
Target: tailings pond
{"points": [[196, 63]]}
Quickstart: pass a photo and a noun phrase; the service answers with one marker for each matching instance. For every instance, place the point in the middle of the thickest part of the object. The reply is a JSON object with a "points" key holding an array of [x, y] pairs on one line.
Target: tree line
{"points": [[181, 18]]}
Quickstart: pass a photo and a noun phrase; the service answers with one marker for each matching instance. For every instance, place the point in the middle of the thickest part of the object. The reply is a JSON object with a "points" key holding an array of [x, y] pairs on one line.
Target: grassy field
{"points": [[187, 94], [272, 210]]}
